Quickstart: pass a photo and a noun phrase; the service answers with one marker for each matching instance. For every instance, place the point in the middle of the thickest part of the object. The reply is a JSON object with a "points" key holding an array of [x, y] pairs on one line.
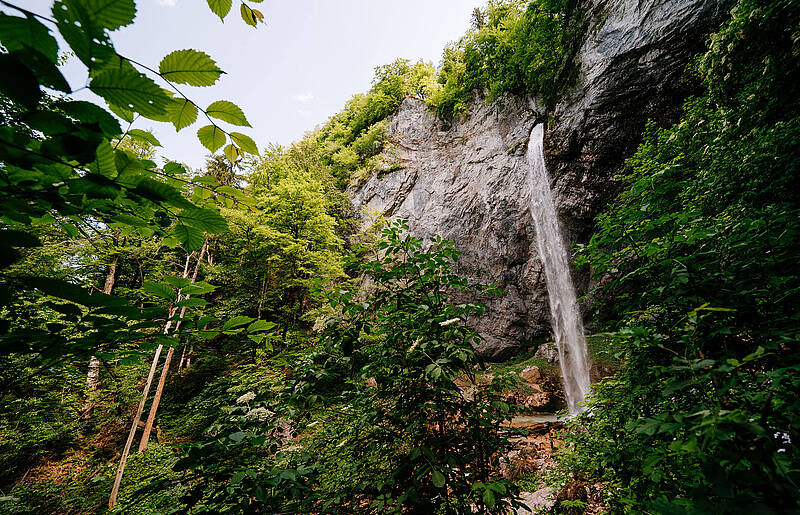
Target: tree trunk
{"points": [[112, 500], [93, 374], [151, 415]]}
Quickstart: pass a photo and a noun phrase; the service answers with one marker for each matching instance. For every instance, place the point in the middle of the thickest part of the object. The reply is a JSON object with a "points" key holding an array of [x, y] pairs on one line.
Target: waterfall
{"points": [[567, 323]]}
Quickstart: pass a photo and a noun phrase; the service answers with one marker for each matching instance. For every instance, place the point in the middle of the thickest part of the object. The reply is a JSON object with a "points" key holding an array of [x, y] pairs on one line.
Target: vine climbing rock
{"points": [[465, 179]]}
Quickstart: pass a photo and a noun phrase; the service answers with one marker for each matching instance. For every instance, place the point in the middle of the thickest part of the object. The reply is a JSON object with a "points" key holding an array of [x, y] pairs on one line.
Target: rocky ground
{"points": [[533, 449]]}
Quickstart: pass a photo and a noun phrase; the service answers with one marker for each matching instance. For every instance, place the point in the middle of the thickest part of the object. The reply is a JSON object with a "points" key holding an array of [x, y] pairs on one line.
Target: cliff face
{"points": [[467, 180]]}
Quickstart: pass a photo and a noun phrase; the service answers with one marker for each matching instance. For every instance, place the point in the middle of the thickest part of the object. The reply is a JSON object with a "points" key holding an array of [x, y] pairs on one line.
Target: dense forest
{"points": [[240, 338]]}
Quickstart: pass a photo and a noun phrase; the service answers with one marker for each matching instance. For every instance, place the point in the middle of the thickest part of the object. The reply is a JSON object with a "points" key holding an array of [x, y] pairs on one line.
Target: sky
{"points": [[290, 74]]}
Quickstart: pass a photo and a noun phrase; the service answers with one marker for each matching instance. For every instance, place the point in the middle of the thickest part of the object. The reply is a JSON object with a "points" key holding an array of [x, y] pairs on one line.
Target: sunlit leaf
{"points": [[130, 90], [232, 153], [245, 142], [211, 137], [190, 67], [206, 220], [111, 14], [159, 290], [227, 112], [181, 113], [220, 7], [145, 136], [105, 164], [191, 238]]}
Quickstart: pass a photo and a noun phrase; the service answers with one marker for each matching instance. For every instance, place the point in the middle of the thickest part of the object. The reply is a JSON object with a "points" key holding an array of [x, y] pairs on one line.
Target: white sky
{"points": [[289, 74]]}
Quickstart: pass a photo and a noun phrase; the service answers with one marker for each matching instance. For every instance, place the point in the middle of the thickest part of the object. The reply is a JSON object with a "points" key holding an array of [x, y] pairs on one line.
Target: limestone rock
{"points": [[548, 352], [542, 499], [531, 374], [466, 179]]}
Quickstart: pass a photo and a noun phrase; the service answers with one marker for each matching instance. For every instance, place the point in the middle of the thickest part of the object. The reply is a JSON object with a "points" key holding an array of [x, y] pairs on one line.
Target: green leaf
{"points": [[182, 113], [206, 180], [48, 122], [190, 67], [159, 192], [231, 152], [88, 112], [191, 238], [17, 32], [251, 16], [247, 15], [227, 112], [159, 290], [245, 142], [18, 83], [236, 322], [176, 282], [173, 168], [111, 14], [129, 168], [125, 115], [220, 7], [126, 219], [144, 136], [85, 36], [130, 89], [238, 436], [191, 303], [43, 69], [73, 293], [438, 479], [260, 325], [105, 164], [211, 137], [488, 498], [233, 192], [198, 288], [206, 220]]}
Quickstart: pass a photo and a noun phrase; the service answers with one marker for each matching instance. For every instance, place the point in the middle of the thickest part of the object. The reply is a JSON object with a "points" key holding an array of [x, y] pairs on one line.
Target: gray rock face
{"points": [[466, 180]]}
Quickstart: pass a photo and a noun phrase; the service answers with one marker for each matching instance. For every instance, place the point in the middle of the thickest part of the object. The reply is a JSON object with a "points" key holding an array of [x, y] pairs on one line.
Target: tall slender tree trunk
{"points": [[93, 374], [112, 500], [151, 415]]}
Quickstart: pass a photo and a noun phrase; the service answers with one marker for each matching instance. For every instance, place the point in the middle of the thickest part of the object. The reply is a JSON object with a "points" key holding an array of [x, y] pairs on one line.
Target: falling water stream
{"points": [[567, 323]]}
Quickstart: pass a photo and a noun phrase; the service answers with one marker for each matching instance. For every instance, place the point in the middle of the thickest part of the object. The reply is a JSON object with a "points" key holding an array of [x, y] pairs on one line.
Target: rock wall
{"points": [[466, 180]]}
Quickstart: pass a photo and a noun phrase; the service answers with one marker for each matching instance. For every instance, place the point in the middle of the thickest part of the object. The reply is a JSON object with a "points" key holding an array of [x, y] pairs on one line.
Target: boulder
{"points": [[531, 374]]}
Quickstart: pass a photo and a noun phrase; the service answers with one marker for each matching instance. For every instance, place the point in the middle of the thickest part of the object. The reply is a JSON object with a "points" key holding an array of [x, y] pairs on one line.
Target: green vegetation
{"points": [[700, 255], [526, 48], [321, 367]]}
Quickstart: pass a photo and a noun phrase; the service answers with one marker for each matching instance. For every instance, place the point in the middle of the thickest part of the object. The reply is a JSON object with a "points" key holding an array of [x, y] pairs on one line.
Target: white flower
{"points": [[449, 322], [260, 414], [249, 396]]}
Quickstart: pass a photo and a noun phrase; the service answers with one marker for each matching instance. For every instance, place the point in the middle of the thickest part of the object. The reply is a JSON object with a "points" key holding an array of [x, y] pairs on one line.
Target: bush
{"points": [[698, 257]]}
